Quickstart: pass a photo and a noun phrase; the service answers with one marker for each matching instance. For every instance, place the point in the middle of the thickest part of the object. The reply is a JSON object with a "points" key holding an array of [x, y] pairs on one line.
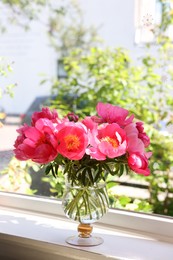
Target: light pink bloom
{"points": [[95, 153], [112, 114], [134, 139], [139, 163], [89, 123], [72, 140], [110, 141], [134, 144], [37, 143]]}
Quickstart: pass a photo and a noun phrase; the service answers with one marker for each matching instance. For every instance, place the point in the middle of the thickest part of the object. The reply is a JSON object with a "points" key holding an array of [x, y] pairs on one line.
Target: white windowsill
{"points": [[36, 228]]}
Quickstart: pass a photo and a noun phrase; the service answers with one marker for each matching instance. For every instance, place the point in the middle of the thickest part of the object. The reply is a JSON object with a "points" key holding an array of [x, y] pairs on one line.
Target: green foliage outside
{"points": [[16, 177], [5, 69]]}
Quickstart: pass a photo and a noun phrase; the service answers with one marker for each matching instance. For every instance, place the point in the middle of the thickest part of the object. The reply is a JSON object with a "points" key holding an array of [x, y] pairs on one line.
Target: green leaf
{"points": [[107, 168], [121, 169], [124, 200], [111, 184], [48, 169], [53, 171], [88, 170]]}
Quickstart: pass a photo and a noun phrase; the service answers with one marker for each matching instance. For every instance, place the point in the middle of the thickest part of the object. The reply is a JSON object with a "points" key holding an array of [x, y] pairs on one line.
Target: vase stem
{"points": [[85, 230], [84, 237]]}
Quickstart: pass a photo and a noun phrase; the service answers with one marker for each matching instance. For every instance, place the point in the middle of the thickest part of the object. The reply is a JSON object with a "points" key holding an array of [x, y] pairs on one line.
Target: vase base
{"points": [[79, 241]]}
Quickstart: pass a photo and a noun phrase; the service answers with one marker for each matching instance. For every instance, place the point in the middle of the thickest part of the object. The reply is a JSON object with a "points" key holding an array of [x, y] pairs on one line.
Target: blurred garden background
{"points": [[70, 55]]}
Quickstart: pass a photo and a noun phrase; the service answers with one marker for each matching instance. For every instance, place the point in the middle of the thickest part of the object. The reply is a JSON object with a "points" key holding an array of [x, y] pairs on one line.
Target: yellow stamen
{"points": [[72, 142], [110, 140]]}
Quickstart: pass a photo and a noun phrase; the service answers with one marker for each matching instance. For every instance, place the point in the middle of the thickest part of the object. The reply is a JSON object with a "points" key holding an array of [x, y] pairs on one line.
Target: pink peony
{"points": [[134, 143], [72, 117], [22, 129], [142, 135], [139, 163], [110, 141], [72, 140], [112, 114], [89, 123], [108, 138], [137, 141], [37, 143], [19, 153], [44, 113]]}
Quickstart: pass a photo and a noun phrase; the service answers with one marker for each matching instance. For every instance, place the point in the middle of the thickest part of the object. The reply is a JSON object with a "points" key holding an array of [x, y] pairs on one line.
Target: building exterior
{"points": [[119, 21]]}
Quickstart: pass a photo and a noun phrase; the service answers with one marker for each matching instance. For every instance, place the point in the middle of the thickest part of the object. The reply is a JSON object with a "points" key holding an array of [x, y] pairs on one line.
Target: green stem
{"points": [[84, 201], [78, 213], [88, 202], [70, 207], [103, 209]]}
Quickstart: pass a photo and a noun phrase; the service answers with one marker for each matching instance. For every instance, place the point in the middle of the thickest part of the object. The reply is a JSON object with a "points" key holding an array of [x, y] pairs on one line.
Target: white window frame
{"points": [[158, 225], [139, 226]]}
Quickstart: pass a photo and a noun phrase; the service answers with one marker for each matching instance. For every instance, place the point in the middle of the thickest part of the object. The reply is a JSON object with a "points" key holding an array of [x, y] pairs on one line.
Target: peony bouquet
{"points": [[87, 150]]}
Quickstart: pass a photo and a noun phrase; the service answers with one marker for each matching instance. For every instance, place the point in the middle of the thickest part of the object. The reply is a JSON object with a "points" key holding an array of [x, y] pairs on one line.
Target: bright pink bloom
{"points": [[36, 143], [142, 135], [72, 140], [22, 129], [44, 113], [19, 153], [110, 142], [139, 163], [112, 114]]}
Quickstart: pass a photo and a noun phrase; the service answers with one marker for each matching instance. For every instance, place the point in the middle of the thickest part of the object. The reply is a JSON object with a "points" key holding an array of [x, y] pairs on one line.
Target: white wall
{"points": [[32, 56], [116, 18]]}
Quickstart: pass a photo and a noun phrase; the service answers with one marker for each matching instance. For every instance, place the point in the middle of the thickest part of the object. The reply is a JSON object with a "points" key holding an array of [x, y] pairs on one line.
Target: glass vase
{"points": [[85, 204]]}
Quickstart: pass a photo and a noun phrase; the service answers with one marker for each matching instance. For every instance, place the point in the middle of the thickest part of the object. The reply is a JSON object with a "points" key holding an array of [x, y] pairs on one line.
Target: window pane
{"points": [[42, 67]]}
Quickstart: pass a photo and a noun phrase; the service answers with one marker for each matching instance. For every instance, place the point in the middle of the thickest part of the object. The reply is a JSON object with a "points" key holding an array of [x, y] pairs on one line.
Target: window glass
{"points": [[46, 60]]}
